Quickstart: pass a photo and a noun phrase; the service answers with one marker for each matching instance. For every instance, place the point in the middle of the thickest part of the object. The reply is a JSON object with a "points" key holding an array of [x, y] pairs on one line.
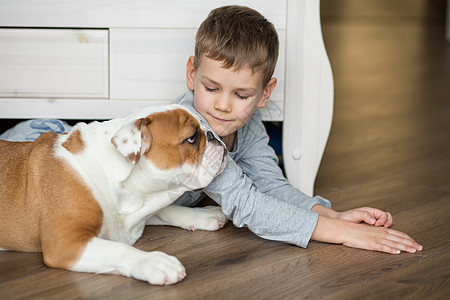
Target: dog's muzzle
{"points": [[212, 139]]}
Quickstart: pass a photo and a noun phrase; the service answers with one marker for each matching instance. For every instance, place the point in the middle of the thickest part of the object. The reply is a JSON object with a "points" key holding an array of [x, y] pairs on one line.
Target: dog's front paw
{"points": [[159, 268], [209, 218]]}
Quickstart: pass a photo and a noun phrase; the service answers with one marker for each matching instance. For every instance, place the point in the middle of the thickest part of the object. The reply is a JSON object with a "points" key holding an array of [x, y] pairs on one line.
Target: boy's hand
{"points": [[380, 239], [369, 215], [363, 236]]}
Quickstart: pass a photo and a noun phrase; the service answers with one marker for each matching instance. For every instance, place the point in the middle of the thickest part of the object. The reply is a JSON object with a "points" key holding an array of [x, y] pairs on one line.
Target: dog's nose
{"points": [[215, 141], [210, 136]]}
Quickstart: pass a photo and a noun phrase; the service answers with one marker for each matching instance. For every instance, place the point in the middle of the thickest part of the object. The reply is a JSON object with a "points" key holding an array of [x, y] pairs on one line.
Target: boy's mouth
{"points": [[220, 119]]}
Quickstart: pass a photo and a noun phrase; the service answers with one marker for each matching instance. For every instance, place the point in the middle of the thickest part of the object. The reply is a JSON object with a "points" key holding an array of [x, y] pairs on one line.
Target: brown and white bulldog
{"points": [[84, 197]]}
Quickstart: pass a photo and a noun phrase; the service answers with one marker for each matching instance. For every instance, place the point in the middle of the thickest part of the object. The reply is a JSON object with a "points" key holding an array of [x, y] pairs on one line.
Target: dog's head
{"points": [[170, 150]]}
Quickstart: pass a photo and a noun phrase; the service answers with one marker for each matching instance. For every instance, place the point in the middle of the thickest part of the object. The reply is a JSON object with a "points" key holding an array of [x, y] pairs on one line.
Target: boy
{"points": [[236, 50]]}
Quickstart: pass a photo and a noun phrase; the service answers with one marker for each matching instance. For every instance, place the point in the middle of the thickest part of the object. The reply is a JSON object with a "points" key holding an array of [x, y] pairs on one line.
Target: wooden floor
{"points": [[389, 148]]}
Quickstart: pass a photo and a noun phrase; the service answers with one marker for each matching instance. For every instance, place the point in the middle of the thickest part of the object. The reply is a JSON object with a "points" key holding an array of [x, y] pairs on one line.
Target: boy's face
{"points": [[224, 97]]}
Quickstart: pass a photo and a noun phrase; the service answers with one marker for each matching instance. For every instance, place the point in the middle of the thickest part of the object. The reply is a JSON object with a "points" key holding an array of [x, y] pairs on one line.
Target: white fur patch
{"points": [[209, 218]]}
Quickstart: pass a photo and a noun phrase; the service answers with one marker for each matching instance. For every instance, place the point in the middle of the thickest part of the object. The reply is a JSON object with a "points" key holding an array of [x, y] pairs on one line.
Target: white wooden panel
{"points": [[53, 63], [125, 13], [97, 109], [31, 108], [308, 108], [151, 64]]}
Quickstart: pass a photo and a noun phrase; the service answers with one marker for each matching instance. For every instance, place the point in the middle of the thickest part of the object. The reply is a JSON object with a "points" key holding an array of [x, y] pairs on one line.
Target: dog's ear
{"points": [[133, 139]]}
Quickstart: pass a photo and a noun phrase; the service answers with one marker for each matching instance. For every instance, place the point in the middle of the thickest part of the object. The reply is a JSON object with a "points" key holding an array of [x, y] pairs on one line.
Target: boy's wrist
{"points": [[324, 211], [331, 230]]}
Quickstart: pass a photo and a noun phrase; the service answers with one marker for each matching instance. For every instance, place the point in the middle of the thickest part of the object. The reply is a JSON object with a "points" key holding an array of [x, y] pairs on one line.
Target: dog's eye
{"points": [[193, 139]]}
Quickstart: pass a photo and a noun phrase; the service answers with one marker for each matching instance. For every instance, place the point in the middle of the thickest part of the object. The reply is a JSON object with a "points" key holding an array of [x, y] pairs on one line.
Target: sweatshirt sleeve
{"points": [[253, 192], [266, 216]]}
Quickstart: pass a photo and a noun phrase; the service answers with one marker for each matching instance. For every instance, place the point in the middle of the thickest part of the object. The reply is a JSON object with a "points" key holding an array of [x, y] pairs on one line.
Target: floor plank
{"points": [[403, 283]]}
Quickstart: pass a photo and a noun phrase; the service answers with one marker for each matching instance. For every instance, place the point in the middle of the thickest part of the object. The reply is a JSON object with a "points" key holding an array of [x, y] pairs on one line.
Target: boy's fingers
{"points": [[401, 241], [380, 222], [401, 234], [392, 247], [383, 218], [388, 249], [390, 220], [363, 216], [397, 247]]}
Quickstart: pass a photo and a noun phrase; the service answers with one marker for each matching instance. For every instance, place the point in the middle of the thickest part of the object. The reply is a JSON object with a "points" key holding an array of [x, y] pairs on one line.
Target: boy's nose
{"points": [[222, 103]]}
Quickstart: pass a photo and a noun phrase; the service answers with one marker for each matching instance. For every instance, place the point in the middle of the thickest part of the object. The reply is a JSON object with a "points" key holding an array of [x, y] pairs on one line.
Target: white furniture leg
{"points": [[308, 106]]}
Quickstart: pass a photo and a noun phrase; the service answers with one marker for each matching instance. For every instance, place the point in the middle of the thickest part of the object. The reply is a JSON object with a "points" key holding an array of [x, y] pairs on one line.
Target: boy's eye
{"points": [[210, 89], [242, 97]]}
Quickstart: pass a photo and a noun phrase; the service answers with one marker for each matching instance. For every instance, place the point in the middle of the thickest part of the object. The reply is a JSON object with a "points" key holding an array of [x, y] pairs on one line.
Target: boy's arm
{"points": [[337, 231], [277, 220], [290, 220]]}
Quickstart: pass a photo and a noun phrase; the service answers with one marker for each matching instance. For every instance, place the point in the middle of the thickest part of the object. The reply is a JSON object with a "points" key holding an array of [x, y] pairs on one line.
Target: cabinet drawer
{"points": [[55, 63]]}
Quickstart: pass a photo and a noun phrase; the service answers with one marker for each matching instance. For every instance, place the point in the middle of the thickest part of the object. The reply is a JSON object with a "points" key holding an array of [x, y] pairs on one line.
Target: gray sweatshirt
{"points": [[252, 190]]}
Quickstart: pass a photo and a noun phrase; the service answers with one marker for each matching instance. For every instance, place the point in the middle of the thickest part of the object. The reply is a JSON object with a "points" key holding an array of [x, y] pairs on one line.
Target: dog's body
{"points": [[83, 198]]}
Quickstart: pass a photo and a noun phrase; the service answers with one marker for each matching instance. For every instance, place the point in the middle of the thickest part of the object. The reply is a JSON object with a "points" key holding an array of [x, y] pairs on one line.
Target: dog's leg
{"points": [[97, 255], [191, 218], [104, 256]]}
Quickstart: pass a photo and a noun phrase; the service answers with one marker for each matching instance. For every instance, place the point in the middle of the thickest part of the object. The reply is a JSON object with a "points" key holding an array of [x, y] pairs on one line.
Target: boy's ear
{"points": [[190, 73], [267, 92]]}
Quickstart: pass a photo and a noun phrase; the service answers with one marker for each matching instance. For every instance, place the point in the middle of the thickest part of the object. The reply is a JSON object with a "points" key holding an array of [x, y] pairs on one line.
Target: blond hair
{"points": [[239, 37]]}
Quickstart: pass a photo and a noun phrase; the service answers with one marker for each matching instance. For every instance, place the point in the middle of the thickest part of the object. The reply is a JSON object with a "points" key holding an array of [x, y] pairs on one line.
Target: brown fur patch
{"points": [[169, 130], [44, 205], [74, 143]]}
